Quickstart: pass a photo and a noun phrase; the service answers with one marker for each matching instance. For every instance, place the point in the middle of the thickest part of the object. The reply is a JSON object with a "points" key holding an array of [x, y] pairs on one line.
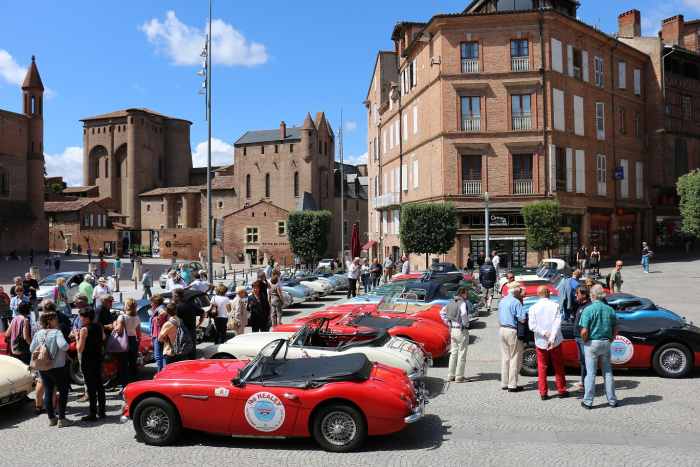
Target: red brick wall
{"points": [[264, 216]]}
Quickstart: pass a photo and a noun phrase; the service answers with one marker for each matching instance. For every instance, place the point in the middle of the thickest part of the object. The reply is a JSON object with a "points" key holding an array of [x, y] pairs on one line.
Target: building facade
{"points": [[519, 100], [80, 224], [23, 225]]}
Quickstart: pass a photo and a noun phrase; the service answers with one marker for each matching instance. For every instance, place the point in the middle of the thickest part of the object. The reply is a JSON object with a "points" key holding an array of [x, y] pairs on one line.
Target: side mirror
{"points": [[237, 382]]}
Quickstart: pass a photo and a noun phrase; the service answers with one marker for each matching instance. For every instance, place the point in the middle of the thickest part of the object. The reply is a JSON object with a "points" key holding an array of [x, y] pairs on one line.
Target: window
{"points": [[251, 235], [621, 75], [580, 171], [558, 109], [579, 127], [600, 120], [220, 204], [598, 70], [404, 130], [470, 57], [471, 113], [471, 175], [557, 64], [639, 179], [396, 221], [637, 82], [511, 5], [384, 142], [162, 207], [281, 228], [519, 55], [637, 124], [601, 174], [404, 177], [687, 107], [522, 166], [569, 170], [291, 148], [148, 207], [414, 74], [520, 111], [561, 171], [680, 157], [267, 185], [106, 167], [625, 182], [414, 167], [262, 149], [345, 205], [622, 117], [415, 119], [277, 149], [247, 186], [296, 184], [245, 150], [575, 62]]}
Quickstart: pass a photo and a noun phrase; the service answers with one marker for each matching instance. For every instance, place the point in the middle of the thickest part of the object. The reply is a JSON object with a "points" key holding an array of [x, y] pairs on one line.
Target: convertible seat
{"points": [[353, 367], [377, 322]]}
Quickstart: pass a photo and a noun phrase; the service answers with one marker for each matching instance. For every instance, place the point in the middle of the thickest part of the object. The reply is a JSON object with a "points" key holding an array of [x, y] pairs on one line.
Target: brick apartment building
{"points": [[523, 101], [80, 224], [22, 222]]}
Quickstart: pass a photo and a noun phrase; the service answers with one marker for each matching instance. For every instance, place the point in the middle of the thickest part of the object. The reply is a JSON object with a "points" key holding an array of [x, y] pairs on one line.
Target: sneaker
{"points": [[460, 379], [544, 397], [586, 406], [504, 388], [515, 389], [53, 421], [101, 415], [62, 423], [612, 405]]}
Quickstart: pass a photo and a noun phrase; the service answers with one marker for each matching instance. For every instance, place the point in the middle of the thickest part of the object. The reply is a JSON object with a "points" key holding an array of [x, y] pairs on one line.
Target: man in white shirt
{"points": [[199, 283], [100, 291], [545, 322], [406, 265], [496, 261], [456, 316]]}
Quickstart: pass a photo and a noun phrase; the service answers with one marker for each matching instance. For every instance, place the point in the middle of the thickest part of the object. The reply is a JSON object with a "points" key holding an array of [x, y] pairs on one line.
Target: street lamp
{"points": [[206, 91], [486, 223]]}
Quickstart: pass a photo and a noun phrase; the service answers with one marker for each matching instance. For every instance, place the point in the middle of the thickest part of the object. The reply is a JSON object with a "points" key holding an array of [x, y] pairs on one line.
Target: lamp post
{"points": [[486, 224], [206, 90]]}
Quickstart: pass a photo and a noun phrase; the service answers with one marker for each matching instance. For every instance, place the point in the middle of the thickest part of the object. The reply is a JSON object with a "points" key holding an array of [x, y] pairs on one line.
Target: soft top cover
{"points": [[378, 322], [298, 372]]}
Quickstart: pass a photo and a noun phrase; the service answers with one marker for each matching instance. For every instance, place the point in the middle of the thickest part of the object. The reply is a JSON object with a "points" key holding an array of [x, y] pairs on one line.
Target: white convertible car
{"points": [[15, 380], [547, 269], [315, 341]]}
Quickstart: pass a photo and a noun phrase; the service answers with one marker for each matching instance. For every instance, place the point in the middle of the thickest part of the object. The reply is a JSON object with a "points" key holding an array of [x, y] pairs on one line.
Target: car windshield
{"points": [[51, 280]]}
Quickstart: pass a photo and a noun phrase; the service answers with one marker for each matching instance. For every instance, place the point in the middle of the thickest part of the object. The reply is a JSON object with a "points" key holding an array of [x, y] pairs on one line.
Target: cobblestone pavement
{"points": [[475, 423]]}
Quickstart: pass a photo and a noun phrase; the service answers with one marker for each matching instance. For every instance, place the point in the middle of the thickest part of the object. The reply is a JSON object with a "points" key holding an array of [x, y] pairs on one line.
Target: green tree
{"points": [[428, 228], [308, 233], [688, 187], [542, 225]]}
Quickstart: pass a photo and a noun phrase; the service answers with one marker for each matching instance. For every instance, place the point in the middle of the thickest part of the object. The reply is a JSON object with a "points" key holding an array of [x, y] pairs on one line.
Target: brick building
{"points": [[519, 99], [80, 224], [22, 221]]}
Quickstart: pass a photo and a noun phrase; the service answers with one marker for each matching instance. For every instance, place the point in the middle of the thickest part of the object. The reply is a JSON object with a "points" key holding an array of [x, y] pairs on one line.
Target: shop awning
{"points": [[367, 246]]}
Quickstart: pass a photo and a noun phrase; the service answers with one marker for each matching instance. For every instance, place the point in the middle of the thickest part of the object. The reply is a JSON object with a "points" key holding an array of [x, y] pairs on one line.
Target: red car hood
{"points": [[202, 370]]}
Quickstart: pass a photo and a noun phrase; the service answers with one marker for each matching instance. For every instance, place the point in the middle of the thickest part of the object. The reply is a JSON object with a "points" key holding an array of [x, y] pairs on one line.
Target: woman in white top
{"points": [[130, 323], [221, 305], [239, 310]]}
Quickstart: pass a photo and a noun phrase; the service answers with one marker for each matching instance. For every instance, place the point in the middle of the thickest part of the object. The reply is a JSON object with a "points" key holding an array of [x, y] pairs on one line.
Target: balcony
{"points": [[520, 63], [387, 199], [470, 65], [471, 124], [471, 187], [522, 122], [522, 186]]}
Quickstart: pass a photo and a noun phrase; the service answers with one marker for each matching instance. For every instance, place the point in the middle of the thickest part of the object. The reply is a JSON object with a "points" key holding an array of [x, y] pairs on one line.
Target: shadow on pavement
{"points": [[17, 413], [641, 400]]}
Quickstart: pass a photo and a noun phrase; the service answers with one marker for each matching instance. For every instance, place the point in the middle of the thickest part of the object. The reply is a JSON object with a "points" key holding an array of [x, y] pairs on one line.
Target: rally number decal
{"points": [[621, 350], [264, 412]]}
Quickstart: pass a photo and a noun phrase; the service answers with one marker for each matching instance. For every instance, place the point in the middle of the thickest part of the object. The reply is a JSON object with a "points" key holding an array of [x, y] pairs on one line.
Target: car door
{"points": [[207, 406]]}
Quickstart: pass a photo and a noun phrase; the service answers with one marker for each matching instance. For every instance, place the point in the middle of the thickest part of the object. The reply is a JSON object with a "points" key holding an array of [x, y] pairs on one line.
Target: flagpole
{"points": [[342, 189]]}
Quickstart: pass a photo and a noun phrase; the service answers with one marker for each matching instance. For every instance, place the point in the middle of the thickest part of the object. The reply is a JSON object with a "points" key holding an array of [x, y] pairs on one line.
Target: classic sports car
{"points": [[47, 284], [16, 380], [547, 269], [316, 340], [628, 306], [353, 320], [668, 346], [337, 400]]}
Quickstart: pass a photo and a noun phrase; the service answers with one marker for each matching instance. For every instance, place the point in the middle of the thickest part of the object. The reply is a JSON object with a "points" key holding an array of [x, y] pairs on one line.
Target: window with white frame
{"points": [[384, 142], [415, 119], [558, 109], [414, 74], [404, 177], [397, 179], [415, 176], [557, 62], [600, 120], [397, 131], [395, 221], [569, 169], [598, 71], [625, 182], [578, 116], [384, 222], [580, 171], [601, 174], [281, 228], [405, 127], [251, 235], [639, 179], [621, 75], [637, 82]]}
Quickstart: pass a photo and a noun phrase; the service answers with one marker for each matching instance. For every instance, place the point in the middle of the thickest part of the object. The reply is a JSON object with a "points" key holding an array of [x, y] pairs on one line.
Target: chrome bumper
{"points": [[421, 400]]}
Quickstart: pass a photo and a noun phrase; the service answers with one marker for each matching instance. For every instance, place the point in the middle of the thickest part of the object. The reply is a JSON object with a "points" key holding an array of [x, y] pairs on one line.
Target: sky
{"points": [[273, 61]]}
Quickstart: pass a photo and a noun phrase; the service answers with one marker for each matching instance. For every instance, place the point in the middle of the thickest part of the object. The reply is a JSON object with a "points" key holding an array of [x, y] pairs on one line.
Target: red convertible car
{"points": [[363, 319], [338, 401]]}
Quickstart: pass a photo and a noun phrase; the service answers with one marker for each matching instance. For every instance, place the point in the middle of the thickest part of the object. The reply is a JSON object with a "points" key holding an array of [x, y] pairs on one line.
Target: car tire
{"points": [[75, 373], [157, 422], [223, 356], [339, 428], [529, 366], [672, 360]]}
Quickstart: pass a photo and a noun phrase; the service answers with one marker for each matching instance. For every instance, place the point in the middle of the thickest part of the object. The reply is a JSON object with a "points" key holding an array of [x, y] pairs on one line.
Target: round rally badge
{"points": [[621, 350], [264, 411]]}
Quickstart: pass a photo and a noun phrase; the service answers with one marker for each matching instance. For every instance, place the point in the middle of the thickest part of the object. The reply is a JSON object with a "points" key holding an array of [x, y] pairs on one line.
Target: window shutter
{"points": [[414, 70], [638, 82], [552, 168], [405, 127], [600, 120], [397, 181], [625, 182], [584, 65], [569, 170], [578, 116], [384, 141], [570, 59], [622, 75], [558, 106], [404, 177], [397, 130], [415, 172], [556, 56], [415, 119], [639, 179], [602, 175], [580, 171]]}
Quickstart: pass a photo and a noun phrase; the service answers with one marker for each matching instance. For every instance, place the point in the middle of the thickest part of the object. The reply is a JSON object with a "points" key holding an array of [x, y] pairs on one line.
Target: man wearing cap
{"points": [[456, 316], [86, 288], [101, 289], [510, 312]]}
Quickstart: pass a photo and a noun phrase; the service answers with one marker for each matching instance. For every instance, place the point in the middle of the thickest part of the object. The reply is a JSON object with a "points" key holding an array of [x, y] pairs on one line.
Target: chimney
{"points": [[629, 24], [283, 130], [671, 29]]}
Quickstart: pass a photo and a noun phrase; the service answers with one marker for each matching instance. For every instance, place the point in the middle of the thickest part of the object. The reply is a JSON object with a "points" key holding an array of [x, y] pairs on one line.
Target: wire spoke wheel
{"points": [[338, 428], [673, 360], [155, 423]]}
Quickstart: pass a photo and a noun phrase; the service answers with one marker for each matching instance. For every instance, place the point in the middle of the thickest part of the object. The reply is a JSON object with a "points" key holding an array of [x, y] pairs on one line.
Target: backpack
{"points": [[453, 311], [41, 357], [184, 345], [19, 345]]}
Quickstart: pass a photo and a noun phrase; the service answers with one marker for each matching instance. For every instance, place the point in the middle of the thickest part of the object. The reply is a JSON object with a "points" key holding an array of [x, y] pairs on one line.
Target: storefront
{"points": [[507, 236], [626, 230], [569, 237], [512, 250], [600, 232]]}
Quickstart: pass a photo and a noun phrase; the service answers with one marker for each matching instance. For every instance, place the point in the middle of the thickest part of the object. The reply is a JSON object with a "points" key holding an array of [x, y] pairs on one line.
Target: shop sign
{"points": [[619, 173], [498, 220]]}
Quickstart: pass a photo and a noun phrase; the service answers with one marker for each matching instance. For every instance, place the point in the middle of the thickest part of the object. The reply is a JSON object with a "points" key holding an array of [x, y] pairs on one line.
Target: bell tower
{"points": [[33, 107]]}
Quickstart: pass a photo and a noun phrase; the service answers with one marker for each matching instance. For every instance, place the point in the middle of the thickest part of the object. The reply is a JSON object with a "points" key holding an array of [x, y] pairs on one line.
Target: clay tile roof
{"points": [[173, 190], [68, 206], [78, 189], [222, 182], [125, 112], [32, 79]]}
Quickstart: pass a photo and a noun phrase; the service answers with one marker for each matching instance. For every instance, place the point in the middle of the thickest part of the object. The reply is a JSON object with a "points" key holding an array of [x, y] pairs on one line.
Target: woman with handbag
{"points": [[221, 307], [276, 300], [90, 343], [19, 333], [48, 349], [60, 297], [168, 334], [128, 323]]}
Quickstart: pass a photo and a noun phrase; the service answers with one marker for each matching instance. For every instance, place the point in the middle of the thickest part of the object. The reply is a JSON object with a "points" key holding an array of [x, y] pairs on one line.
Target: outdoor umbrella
{"points": [[355, 241]]}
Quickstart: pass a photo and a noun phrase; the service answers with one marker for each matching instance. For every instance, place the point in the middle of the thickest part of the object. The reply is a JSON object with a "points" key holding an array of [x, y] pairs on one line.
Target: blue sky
{"points": [[275, 61]]}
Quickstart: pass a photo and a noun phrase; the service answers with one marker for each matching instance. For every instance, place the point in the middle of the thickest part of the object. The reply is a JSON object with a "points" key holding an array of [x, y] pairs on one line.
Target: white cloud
{"points": [[350, 126], [355, 160], [68, 164], [10, 70], [183, 43], [692, 4], [221, 153]]}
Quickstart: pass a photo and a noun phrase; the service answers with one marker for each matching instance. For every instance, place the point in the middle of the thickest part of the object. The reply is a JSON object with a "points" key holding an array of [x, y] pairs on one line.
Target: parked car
{"points": [[16, 381], [337, 400], [321, 286], [189, 265], [547, 269], [287, 298], [315, 339], [47, 284], [325, 264]]}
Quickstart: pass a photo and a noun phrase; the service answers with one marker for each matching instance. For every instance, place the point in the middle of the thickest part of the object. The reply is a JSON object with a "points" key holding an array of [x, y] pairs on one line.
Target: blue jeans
{"points": [[594, 351], [645, 263], [158, 353], [581, 360]]}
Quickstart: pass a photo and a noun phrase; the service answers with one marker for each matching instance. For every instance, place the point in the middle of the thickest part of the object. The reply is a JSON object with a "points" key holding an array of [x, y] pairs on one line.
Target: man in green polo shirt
{"points": [[597, 325], [85, 288]]}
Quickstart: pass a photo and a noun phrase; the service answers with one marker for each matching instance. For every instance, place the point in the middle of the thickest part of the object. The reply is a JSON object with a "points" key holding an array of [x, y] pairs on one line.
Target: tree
{"points": [[688, 187], [542, 225], [308, 233], [428, 228]]}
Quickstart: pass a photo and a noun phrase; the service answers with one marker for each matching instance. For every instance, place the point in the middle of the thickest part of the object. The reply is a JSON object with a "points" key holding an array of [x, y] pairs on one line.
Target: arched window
{"points": [[296, 184], [267, 185], [247, 186]]}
